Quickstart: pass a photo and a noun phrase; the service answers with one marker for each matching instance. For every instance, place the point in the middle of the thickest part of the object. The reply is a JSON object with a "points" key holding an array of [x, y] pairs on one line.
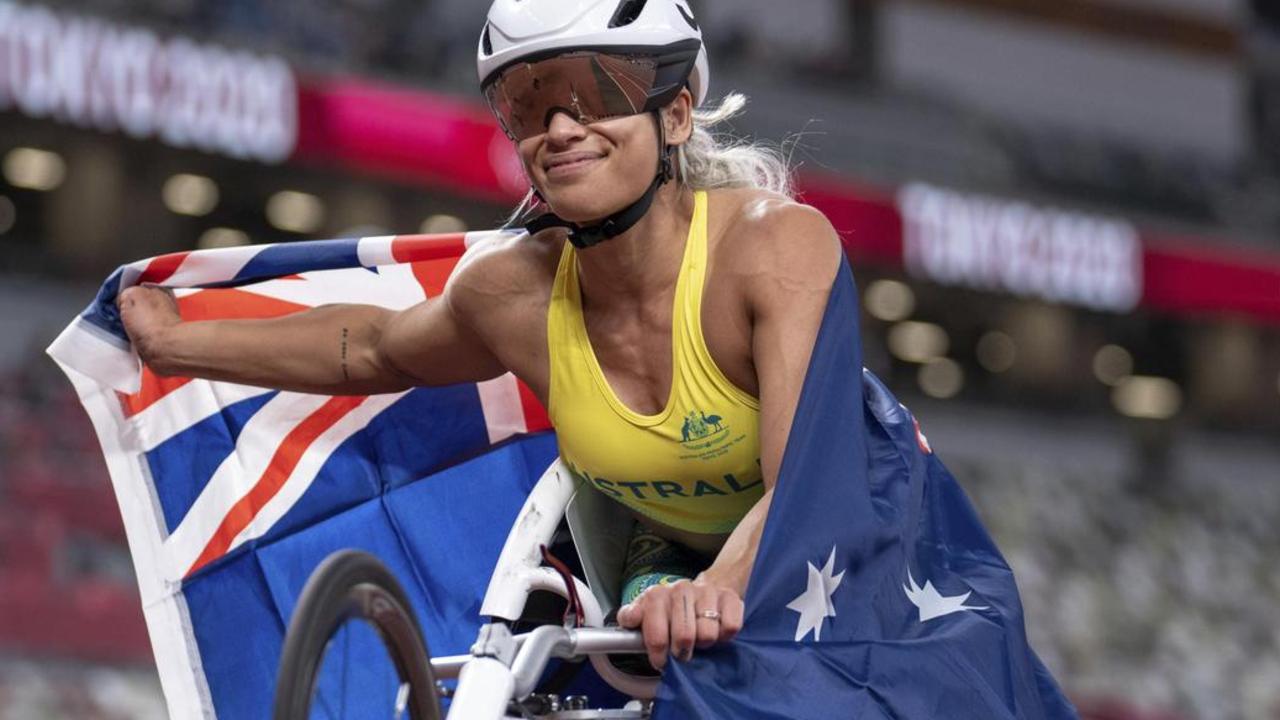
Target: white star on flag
{"points": [[814, 604], [933, 604]]}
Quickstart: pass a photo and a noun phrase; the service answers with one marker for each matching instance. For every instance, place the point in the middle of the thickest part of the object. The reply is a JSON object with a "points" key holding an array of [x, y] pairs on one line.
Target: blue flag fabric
{"points": [[876, 592], [232, 495]]}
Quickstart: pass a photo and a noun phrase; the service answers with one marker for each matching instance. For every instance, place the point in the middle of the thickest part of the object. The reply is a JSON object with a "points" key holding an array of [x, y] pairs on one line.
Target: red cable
{"points": [[575, 604]]}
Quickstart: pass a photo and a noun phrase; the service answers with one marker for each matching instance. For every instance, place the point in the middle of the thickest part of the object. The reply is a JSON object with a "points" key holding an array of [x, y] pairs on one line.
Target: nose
{"points": [[562, 128]]}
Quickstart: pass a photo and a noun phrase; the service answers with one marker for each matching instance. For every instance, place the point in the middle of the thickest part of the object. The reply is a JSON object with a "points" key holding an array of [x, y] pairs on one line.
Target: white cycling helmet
{"points": [[523, 30]]}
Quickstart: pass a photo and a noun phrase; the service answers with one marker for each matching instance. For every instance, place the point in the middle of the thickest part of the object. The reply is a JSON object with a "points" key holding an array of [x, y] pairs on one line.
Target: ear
{"points": [[677, 118]]}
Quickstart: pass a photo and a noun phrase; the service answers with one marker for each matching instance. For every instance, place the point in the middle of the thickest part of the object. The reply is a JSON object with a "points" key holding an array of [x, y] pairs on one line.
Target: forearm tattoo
{"points": [[346, 374]]}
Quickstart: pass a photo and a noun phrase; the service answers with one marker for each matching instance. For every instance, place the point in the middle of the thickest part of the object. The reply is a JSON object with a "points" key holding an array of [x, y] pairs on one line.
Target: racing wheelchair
{"points": [[498, 679]]}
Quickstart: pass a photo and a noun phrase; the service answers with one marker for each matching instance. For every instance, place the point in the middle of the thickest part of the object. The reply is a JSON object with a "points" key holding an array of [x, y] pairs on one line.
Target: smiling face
{"points": [[589, 172]]}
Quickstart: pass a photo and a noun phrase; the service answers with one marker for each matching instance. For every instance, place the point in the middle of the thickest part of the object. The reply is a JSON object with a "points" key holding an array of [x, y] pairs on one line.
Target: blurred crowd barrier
{"points": [[73, 643], [45, 691], [1168, 604], [67, 579], [1148, 584]]}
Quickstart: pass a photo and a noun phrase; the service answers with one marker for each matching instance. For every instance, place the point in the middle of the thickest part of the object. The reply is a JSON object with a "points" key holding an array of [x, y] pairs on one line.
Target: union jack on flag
{"points": [[232, 494]]}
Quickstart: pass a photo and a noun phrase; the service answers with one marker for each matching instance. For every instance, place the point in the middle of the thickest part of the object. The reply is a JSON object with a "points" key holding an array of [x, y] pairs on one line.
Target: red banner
{"points": [[410, 136], [454, 145]]}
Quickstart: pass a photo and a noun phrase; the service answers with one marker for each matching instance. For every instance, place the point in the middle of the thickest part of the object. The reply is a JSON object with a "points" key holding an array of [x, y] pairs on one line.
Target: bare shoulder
{"points": [[504, 270], [770, 237]]}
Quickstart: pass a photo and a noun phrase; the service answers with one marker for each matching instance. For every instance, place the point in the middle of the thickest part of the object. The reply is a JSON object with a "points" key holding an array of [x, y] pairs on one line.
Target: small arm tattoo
{"points": [[346, 374]]}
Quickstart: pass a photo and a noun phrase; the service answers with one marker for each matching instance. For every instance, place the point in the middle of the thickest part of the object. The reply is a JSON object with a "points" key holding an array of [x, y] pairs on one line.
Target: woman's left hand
{"points": [[686, 614]]}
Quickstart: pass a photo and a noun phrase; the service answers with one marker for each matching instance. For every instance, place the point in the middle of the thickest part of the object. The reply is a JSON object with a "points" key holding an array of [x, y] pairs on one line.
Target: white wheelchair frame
{"points": [[502, 667]]}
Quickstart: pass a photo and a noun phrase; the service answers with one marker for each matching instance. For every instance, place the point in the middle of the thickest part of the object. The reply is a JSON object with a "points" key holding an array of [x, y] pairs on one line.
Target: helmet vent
{"points": [[627, 12], [485, 41]]}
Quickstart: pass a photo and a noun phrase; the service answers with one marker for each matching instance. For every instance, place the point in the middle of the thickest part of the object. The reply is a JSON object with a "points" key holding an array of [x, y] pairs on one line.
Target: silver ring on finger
{"points": [[709, 615]]}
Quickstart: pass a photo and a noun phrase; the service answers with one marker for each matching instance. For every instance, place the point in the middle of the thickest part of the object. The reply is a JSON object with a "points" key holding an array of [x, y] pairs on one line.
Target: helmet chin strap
{"points": [[618, 223]]}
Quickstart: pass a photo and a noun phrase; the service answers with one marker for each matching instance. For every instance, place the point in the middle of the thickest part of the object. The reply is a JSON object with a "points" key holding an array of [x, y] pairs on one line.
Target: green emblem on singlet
{"points": [[701, 430]]}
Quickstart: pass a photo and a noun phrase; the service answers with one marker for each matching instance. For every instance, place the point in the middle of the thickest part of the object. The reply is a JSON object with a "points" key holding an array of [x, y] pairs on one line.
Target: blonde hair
{"points": [[720, 160], [711, 160]]}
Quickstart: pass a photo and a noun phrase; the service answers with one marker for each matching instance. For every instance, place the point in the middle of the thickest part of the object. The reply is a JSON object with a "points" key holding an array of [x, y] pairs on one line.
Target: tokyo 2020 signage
{"points": [[95, 74], [989, 243]]}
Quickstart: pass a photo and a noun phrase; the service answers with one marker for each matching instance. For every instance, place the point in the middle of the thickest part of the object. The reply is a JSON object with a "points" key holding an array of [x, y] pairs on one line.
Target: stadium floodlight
{"points": [[443, 224], [1150, 398], [32, 169], [918, 342], [889, 300], [296, 212], [221, 237], [193, 195], [997, 352], [941, 378], [1112, 364]]}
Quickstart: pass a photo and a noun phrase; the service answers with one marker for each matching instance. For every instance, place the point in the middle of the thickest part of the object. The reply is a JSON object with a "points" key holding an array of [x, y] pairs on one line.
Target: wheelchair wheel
{"points": [[349, 586]]}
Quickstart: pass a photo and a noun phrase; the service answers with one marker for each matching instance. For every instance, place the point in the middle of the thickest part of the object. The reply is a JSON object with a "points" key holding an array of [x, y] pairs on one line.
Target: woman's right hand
{"points": [[147, 311]]}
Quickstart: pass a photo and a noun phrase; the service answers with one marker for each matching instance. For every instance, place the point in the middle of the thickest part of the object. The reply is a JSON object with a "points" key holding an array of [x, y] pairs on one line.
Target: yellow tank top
{"points": [[694, 466]]}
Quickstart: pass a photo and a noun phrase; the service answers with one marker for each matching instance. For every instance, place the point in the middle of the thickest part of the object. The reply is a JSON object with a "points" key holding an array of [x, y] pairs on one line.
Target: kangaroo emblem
{"points": [[698, 425]]}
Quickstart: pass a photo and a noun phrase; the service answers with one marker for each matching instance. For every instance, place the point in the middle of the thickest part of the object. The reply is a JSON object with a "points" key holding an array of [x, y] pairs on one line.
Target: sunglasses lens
{"points": [[587, 86]]}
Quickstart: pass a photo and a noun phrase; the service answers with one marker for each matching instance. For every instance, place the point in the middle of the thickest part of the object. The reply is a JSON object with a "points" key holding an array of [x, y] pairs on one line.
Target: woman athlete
{"points": [[662, 306]]}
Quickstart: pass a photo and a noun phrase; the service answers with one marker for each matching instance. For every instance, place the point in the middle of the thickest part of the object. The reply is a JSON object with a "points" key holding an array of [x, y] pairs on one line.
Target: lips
{"points": [[567, 162]]}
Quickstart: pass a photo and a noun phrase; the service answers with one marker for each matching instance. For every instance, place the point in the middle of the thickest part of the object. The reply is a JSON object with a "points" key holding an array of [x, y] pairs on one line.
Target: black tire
{"points": [[351, 585]]}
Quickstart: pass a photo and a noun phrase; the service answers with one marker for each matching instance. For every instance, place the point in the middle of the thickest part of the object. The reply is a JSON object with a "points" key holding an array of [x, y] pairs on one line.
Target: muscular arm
{"points": [[332, 350], [788, 299], [786, 277]]}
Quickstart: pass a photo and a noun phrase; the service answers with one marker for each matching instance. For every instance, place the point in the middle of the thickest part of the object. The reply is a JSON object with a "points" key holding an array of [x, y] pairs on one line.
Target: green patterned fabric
{"points": [[653, 560], [638, 584]]}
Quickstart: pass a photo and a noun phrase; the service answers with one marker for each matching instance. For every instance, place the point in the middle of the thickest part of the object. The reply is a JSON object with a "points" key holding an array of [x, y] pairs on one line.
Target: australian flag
{"points": [[876, 592]]}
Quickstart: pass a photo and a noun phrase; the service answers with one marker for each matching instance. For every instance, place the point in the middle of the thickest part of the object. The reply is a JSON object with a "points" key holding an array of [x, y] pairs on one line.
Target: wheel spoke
{"points": [[402, 701]]}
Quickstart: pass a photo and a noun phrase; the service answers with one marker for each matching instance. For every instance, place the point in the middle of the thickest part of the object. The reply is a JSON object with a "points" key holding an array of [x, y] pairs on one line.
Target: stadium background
{"points": [[1064, 216]]}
